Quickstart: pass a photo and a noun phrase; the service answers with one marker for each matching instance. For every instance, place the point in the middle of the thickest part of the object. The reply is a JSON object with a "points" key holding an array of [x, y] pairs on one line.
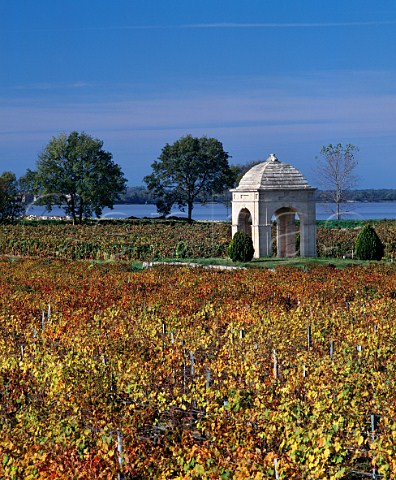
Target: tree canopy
{"points": [[190, 168], [74, 172], [10, 198], [335, 171]]}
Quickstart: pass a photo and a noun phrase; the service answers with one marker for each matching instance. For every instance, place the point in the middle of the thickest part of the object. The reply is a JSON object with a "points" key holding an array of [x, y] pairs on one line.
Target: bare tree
{"points": [[335, 173]]}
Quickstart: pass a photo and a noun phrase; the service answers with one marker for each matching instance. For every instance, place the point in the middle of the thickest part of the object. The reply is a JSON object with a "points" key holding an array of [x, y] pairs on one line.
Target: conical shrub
{"points": [[241, 248], [368, 245]]}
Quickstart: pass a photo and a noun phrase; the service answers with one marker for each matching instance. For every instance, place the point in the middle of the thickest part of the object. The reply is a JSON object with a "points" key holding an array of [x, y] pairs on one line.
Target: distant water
{"points": [[358, 211], [219, 212]]}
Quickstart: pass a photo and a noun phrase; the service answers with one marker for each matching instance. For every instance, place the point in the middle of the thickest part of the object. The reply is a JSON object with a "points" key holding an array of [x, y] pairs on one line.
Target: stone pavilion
{"points": [[275, 191]]}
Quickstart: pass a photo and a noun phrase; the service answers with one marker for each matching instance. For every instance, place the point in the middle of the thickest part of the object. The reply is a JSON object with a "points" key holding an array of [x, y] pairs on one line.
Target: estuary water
{"points": [[219, 212]]}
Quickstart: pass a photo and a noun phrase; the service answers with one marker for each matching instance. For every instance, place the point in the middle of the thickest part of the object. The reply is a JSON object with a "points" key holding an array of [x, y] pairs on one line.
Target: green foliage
{"points": [[75, 173], [241, 248], [190, 168], [10, 198], [181, 250], [368, 245]]}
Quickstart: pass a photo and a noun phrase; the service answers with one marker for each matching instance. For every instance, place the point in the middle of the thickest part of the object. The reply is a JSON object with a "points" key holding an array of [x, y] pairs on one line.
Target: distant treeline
{"points": [[139, 195], [370, 195]]}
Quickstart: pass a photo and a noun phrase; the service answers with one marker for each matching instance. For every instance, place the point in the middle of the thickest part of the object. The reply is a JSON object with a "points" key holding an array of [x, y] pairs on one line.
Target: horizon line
{"points": [[288, 25], [225, 25]]}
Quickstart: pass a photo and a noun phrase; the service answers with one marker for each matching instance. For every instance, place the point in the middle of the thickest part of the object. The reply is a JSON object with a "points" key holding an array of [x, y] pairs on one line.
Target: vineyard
{"points": [[116, 241], [183, 373], [155, 240]]}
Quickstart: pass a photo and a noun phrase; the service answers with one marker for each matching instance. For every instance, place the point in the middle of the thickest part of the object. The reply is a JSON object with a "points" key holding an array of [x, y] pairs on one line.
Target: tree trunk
{"points": [[189, 211], [80, 211], [73, 209], [338, 214]]}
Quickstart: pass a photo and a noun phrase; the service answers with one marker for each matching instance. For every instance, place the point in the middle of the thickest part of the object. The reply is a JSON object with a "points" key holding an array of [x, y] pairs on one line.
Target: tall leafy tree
{"points": [[190, 168], [335, 171], [74, 172], [11, 205]]}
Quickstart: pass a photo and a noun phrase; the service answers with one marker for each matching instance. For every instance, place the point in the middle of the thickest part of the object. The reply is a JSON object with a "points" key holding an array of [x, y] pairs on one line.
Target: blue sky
{"points": [[281, 76]]}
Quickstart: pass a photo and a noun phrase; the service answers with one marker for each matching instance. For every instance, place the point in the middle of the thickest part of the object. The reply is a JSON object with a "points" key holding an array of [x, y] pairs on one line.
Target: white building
{"points": [[273, 190]]}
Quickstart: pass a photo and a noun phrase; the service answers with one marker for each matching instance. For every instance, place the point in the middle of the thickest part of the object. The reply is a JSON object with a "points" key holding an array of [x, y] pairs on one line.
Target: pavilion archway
{"points": [[286, 232], [245, 221]]}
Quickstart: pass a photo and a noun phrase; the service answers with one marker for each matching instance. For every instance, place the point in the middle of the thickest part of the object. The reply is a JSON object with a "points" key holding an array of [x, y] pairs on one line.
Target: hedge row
{"points": [[146, 241], [157, 240]]}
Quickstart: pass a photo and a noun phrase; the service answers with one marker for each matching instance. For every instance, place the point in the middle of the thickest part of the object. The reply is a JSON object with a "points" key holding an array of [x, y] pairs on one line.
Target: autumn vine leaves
{"points": [[179, 362]]}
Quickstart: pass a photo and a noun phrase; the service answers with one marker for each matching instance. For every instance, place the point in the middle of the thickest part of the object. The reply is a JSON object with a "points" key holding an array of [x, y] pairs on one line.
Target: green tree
{"points": [[190, 168], [11, 205], [335, 173], [27, 182], [241, 248], [368, 245], [74, 172]]}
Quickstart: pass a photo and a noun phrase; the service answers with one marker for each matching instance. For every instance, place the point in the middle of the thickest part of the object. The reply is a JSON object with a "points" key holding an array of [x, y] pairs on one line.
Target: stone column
{"points": [[263, 245], [308, 239], [308, 230]]}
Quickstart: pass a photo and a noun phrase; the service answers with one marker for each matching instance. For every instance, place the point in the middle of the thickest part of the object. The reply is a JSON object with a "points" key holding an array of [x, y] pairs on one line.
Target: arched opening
{"points": [[286, 232], [245, 222]]}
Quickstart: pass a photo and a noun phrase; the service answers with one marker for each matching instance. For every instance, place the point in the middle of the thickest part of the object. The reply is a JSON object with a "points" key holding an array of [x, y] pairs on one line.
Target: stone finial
{"points": [[272, 158]]}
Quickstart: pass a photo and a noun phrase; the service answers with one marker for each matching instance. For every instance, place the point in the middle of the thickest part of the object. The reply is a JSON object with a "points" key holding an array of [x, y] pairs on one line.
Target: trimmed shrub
{"points": [[181, 250], [368, 245], [241, 248]]}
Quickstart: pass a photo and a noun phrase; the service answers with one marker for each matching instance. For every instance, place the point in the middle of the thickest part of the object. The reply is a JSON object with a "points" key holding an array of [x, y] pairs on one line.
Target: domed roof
{"points": [[273, 175]]}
